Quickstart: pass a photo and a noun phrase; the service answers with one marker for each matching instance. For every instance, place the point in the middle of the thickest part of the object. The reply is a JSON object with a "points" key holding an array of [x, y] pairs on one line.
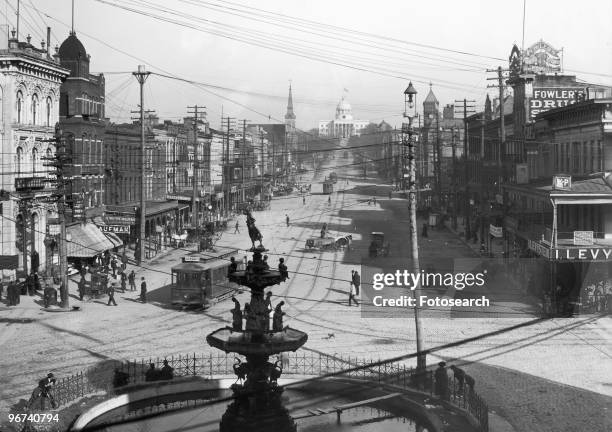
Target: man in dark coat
{"points": [[167, 372], [35, 261], [132, 280], [441, 377], [111, 295], [143, 290], [282, 268], [356, 279], [151, 374], [123, 281], [81, 288]]}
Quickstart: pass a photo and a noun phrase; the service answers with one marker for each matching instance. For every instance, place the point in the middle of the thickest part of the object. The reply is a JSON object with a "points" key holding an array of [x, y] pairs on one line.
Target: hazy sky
{"points": [[209, 48]]}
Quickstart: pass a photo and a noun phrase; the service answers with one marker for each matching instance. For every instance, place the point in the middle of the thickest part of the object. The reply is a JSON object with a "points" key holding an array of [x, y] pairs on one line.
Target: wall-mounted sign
{"points": [[119, 220], [117, 229], [9, 262], [522, 173], [545, 98], [191, 259], [540, 249], [541, 58], [496, 231], [583, 238], [587, 254], [562, 182]]}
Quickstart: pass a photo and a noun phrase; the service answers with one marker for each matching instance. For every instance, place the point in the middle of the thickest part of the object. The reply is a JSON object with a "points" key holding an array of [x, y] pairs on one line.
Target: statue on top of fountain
{"points": [[254, 232]]}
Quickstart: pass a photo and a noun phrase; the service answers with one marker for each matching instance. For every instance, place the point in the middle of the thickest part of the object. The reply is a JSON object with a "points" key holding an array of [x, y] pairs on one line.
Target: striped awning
{"points": [[115, 240], [86, 240]]}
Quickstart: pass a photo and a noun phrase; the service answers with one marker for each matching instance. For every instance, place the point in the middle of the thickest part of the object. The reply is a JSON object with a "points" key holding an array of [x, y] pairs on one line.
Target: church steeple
{"points": [[290, 116]]}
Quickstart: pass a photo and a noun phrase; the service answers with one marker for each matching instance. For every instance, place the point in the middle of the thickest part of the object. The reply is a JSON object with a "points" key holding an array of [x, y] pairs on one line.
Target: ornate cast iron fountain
{"points": [[257, 405]]}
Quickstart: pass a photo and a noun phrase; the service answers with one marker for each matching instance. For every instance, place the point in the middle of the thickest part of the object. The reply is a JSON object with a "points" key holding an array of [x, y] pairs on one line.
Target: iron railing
{"points": [[212, 365]]}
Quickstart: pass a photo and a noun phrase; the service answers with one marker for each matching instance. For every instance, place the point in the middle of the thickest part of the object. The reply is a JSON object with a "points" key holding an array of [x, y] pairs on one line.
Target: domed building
{"points": [[344, 125], [81, 110]]}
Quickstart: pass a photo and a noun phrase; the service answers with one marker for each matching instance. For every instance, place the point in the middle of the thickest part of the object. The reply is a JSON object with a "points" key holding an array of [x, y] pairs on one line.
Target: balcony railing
{"points": [[24, 184]]}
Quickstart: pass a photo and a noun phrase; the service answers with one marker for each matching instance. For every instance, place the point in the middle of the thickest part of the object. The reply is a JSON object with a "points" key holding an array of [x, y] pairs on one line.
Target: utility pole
{"points": [[195, 214], [454, 182], [226, 169], [261, 173], [141, 76], [408, 141], [468, 209], [438, 161], [502, 125], [59, 161], [242, 157], [273, 162]]}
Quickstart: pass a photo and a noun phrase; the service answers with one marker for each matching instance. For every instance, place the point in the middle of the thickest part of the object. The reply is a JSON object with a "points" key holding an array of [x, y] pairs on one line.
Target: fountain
{"points": [[257, 404]]}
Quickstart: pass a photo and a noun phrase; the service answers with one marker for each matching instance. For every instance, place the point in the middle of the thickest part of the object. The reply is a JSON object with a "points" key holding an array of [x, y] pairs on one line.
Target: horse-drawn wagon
{"points": [[321, 243]]}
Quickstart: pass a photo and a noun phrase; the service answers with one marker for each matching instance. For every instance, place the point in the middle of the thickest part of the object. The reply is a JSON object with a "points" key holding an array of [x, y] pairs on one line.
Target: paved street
{"points": [[549, 376]]}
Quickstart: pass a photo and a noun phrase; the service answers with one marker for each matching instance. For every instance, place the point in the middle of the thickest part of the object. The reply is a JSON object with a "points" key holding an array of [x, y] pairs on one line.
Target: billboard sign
{"points": [[545, 98]]}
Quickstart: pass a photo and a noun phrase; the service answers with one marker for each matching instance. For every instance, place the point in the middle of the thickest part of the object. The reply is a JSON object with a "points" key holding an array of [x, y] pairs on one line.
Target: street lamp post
{"points": [[408, 142]]}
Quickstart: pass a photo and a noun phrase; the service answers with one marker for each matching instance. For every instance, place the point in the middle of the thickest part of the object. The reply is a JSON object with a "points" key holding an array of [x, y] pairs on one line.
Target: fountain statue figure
{"points": [[254, 232]]}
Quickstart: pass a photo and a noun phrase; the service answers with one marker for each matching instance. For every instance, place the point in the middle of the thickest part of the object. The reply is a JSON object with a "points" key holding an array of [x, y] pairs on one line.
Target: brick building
{"points": [[82, 122]]}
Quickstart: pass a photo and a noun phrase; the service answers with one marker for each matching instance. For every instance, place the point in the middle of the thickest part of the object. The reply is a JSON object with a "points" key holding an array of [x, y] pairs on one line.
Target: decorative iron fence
{"points": [[457, 391]]}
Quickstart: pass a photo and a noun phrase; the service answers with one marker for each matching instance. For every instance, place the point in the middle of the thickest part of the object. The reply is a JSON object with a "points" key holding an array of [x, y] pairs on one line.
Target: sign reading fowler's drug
{"points": [[545, 98]]}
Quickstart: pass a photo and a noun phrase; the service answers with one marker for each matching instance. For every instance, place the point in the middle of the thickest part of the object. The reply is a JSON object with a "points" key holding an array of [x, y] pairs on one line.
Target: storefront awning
{"points": [[115, 240], [86, 240]]}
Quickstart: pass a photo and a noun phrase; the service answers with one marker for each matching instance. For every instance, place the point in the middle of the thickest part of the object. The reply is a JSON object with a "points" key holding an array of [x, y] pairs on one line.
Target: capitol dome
{"points": [[343, 110]]}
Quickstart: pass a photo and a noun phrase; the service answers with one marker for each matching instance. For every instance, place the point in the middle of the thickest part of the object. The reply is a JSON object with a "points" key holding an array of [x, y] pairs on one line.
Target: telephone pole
{"points": [[141, 76], [502, 126], [60, 161], [226, 168], [467, 207], [409, 143], [454, 182], [242, 158], [195, 220]]}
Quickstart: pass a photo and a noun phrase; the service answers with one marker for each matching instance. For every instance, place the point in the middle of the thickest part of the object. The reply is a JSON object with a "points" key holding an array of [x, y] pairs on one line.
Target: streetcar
{"points": [[328, 187], [202, 277]]}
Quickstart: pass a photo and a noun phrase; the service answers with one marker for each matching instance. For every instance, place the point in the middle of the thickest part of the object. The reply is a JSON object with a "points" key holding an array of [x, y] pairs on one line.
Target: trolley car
{"points": [[202, 277], [328, 187]]}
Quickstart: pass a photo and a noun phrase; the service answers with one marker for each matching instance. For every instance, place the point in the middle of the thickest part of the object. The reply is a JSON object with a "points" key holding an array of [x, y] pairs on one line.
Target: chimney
{"points": [[48, 40]]}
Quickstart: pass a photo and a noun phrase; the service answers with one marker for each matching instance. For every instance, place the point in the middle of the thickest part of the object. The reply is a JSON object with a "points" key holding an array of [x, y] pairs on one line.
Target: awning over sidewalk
{"points": [[86, 240], [115, 240]]}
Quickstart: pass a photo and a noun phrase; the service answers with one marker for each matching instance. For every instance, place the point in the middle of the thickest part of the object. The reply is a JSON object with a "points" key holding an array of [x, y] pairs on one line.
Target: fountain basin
{"points": [[269, 343]]}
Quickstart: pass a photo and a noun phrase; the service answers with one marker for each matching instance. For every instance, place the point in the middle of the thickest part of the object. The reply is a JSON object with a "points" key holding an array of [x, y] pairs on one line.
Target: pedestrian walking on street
{"points": [[352, 295], [132, 280], [356, 280], [237, 230], [81, 288], [287, 219], [424, 231], [329, 200], [114, 266], [123, 281], [124, 261], [143, 290], [441, 377], [304, 200], [111, 295]]}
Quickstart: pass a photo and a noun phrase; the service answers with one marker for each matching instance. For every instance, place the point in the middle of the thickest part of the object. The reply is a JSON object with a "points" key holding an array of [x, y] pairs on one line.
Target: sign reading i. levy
{"points": [[545, 98], [590, 254]]}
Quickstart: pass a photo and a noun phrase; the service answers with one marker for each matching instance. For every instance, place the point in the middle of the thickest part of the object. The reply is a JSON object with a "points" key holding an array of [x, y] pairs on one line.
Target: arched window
{"points": [[34, 160], [19, 160], [49, 108], [19, 106], [34, 108]]}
